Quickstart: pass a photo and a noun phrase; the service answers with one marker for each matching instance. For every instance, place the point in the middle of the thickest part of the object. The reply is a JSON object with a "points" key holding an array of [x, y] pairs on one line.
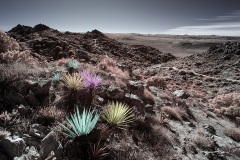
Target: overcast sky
{"points": [[219, 17]]}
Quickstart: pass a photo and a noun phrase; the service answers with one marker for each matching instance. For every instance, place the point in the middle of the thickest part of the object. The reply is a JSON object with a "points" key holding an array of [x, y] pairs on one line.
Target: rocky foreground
{"points": [[183, 108]]}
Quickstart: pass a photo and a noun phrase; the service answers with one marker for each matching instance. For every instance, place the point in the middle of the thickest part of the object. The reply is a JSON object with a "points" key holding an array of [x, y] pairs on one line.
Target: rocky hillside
{"points": [[125, 102]]}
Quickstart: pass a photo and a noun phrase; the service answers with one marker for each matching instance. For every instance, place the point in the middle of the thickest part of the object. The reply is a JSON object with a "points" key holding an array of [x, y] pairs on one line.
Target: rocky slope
{"points": [[184, 108]]}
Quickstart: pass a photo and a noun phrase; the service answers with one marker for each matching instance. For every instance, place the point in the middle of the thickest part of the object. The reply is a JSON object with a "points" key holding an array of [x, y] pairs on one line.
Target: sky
{"points": [[193, 17]]}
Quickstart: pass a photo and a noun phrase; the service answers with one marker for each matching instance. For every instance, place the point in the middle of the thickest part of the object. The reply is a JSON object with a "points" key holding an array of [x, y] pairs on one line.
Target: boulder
{"points": [[181, 94], [134, 100], [115, 92], [14, 146], [31, 154], [49, 144]]}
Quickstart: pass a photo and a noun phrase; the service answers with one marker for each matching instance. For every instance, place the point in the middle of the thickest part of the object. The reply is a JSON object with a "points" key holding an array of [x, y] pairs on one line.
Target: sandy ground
{"points": [[180, 46]]}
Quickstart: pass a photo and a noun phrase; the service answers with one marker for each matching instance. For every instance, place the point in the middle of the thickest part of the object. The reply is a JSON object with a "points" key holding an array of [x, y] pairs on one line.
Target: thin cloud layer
{"points": [[227, 25]]}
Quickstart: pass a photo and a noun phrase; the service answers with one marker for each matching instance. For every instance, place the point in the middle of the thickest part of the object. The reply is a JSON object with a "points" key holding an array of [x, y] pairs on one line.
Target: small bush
{"points": [[4, 134], [233, 133], [226, 100], [157, 81], [49, 115], [203, 142], [147, 96], [7, 43], [175, 113], [108, 64]]}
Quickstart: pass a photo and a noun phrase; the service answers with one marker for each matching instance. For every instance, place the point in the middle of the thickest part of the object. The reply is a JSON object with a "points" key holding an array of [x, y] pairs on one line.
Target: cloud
{"points": [[227, 25], [232, 16]]}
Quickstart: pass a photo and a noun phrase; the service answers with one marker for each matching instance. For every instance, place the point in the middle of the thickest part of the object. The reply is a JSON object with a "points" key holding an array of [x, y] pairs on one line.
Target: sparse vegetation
{"points": [[7, 43], [203, 142], [38, 97], [233, 133]]}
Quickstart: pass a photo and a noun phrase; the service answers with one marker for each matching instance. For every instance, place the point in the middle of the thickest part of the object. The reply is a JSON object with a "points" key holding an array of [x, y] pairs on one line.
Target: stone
{"points": [[182, 72], [49, 144], [31, 154], [181, 94], [13, 145], [31, 99], [134, 100], [115, 92], [237, 52], [209, 128]]}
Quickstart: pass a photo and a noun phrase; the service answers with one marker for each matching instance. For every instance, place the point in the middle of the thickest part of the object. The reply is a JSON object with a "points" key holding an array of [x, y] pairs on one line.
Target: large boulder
{"points": [[14, 146], [50, 144]]}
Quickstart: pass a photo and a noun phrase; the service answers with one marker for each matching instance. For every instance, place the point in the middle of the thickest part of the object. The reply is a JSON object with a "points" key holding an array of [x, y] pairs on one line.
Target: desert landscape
{"points": [[110, 96]]}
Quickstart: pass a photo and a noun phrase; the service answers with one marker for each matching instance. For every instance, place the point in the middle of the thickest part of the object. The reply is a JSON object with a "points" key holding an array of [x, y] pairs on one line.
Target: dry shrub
{"points": [[175, 113], [226, 100], [233, 133], [109, 65], [9, 118], [228, 105], [196, 93], [165, 95], [62, 62], [148, 134], [147, 96], [157, 81], [19, 71], [4, 134], [49, 115], [7, 43], [12, 56], [203, 142], [208, 79]]}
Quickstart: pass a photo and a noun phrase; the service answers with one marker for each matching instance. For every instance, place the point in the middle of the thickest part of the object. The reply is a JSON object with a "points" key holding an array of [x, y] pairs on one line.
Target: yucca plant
{"points": [[91, 81], [118, 114], [97, 151], [73, 64], [72, 81], [57, 76], [79, 124]]}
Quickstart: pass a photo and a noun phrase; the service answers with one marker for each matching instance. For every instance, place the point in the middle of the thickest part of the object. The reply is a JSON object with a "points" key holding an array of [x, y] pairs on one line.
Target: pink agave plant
{"points": [[91, 81]]}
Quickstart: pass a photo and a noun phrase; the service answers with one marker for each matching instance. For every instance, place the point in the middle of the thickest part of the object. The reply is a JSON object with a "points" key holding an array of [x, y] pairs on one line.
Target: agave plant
{"points": [[96, 151], [79, 124], [118, 114], [57, 76], [73, 64], [91, 81], [72, 81]]}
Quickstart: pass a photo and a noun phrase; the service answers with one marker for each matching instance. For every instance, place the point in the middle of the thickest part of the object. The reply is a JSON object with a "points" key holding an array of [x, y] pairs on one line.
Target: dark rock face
{"points": [[54, 45], [40, 27], [21, 30]]}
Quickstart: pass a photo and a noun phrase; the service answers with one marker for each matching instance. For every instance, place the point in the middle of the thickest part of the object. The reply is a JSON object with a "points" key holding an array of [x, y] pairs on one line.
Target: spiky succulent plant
{"points": [[57, 76], [72, 81], [79, 124], [118, 114], [73, 64], [90, 80]]}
